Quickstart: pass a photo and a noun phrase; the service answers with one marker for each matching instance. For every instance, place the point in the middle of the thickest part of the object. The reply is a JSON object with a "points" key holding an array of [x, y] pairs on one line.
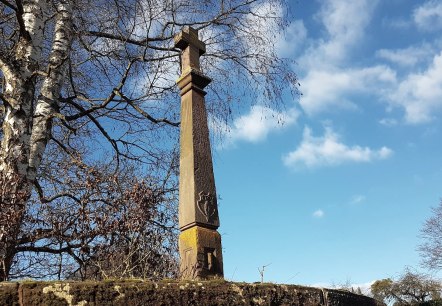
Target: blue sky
{"points": [[339, 192]]}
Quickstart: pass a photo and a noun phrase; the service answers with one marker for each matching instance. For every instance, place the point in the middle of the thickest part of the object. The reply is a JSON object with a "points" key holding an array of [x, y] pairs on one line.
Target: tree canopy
{"points": [[90, 120], [411, 288]]}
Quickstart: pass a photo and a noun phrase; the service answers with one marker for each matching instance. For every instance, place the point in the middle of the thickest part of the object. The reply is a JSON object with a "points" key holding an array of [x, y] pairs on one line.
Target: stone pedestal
{"points": [[199, 242], [201, 254]]}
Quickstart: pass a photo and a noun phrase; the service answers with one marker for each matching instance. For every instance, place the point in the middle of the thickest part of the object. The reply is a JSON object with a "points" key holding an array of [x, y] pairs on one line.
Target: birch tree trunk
{"points": [[47, 104], [59, 200], [27, 125]]}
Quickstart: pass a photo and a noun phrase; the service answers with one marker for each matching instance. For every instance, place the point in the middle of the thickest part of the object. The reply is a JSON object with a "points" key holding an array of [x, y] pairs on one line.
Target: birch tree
{"points": [[88, 81], [27, 113]]}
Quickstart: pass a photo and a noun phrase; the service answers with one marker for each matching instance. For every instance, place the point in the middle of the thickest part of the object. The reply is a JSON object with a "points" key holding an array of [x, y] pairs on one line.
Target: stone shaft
{"points": [[199, 242]]}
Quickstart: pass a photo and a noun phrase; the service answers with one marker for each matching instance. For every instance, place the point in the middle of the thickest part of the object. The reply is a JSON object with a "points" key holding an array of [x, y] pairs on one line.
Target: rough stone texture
{"points": [[9, 294], [190, 57], [197, 195], [206, 293], [197, 192], [339, 297], [199, 242], [203, 244]]}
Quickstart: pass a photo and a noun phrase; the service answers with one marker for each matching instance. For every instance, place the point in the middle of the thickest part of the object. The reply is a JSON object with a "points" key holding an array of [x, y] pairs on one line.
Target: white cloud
{"points": [[323, 90], [265, 22], [420, 94], [150, 18], [397, 23], [256, 125], [428, 17], [407, 57], [326, 83], [153, 78], [328, 150], [364, 287], [389, 122], [344, 22], [288, 43], [318, 213], [330, 82], [357, 199]]}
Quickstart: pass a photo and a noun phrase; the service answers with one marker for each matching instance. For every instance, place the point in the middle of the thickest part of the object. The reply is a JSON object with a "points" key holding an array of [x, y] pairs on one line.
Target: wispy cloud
{"points": [[324, 90], [398, 23], [428, 16], [420, 93], [344, 23], [329, 79], [364, 287], [389, 122], [266, 28], [357, 199], [318, 214], [292, 40], [256, 125], [332, 81], [409, 56], [328, 150]]}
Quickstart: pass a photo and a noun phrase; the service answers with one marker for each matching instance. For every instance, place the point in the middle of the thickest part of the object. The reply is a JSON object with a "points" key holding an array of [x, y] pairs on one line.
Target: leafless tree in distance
{"points": [[431, 247]]}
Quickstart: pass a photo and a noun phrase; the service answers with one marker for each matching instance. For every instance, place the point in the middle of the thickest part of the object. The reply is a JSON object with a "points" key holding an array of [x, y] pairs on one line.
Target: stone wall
{"points": [[133, 293]]}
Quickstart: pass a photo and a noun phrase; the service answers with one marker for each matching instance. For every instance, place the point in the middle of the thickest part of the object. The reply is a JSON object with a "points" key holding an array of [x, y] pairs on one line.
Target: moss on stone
{"points": [[9, 294], [172, 292]]}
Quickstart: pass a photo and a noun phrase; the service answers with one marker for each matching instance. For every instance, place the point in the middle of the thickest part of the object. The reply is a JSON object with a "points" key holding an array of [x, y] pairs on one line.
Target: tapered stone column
{"points": [[199, 241]]}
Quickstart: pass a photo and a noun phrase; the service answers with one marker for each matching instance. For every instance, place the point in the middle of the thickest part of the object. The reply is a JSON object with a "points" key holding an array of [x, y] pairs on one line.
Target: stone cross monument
{"points": [[199, 241]]}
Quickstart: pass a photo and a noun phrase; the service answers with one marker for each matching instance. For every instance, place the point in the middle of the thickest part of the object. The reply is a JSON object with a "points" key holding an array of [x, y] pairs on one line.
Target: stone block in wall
{"points": [[9, 294], [173, 293]]}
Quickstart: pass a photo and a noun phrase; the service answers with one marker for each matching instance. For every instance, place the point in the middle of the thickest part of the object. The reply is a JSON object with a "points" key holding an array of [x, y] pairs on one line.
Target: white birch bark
{"points": [[47, 103], [18, 96], [20, 89], [33, 17]]}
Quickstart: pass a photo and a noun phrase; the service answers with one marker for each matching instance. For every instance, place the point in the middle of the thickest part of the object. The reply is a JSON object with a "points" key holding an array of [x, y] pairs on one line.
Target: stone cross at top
{"points": [[187, 40], [199, 241]]}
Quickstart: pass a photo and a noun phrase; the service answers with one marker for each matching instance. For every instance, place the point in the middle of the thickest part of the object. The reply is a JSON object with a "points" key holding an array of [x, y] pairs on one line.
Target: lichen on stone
{"points": [[63, 292], [120, 294]]}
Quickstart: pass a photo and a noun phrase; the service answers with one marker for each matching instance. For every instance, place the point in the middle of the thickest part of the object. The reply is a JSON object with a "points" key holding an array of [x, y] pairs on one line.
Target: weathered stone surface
{"points": [[197, 197], [9, 294], [187, 40], [339, 297], [198, 201], [205, 293], [199, 243], [204, 245]]}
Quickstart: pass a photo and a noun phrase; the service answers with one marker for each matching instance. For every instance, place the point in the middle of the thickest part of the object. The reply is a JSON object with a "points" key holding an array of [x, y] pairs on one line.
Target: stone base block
{"points": [[200, 252]]}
